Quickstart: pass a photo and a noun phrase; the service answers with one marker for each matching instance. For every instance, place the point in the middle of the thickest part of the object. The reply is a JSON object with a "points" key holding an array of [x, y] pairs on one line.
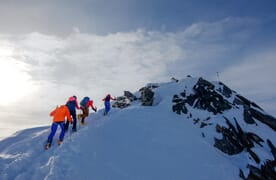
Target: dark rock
{"points": [[203, 124], [206, 98], [264, 118], [228, 144], [191, 99], [272, 147], [177, 99], [225, 146], [254, 156], [179, 106], [130, 96], [204, 83], [238, 101], [196, 120], [146, 96], [241, 174], [121, 102], [247, 116], [266, 172], [254, 173], [219, 128], [235, 140], [256, 106], [243, 137], [174, 79], [243, 100], [226, 91], [250, 113], [255, 138], [207, 119], [183, 94]]}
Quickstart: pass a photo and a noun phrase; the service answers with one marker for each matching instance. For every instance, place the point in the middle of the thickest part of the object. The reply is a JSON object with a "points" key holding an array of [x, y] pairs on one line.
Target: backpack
{"points": [[71, 105], [84, 101]]}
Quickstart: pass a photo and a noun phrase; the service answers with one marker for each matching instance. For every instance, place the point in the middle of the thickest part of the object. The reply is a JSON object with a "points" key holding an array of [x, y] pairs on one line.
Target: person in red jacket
{"points": [[85, 104], [59, 115]]}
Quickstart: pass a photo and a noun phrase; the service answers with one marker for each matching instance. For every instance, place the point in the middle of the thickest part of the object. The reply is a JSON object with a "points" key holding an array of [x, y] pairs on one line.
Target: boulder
{"points": [[146, 96], [130, 96], [121, 102]]}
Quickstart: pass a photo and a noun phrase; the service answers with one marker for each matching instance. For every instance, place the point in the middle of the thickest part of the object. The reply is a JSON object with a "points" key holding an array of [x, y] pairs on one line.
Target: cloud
{"points": [[254, 77], [88, 64]]}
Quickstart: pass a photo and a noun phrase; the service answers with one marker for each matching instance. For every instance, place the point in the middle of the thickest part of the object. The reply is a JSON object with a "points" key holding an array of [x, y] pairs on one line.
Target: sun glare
{"points": [[15, 82]]}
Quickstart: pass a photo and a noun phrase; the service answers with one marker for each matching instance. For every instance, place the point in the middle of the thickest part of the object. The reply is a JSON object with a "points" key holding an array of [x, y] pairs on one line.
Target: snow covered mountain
{"points": [[184, 129]]}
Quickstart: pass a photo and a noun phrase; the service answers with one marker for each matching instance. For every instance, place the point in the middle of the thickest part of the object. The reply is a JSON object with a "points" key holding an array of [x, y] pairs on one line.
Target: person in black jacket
{"points": [[72, 104]]}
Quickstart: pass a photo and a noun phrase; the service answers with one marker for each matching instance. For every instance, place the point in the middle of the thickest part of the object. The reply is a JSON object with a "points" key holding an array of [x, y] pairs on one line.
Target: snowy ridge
{"points": [[135, 143]]}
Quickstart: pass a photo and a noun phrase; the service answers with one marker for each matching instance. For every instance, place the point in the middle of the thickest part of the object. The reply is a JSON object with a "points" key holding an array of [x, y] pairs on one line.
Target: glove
{"points": [[71, 122], [95, 109]]}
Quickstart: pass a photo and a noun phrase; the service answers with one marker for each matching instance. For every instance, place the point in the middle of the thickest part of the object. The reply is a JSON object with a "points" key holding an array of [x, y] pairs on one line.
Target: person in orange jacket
{"points": [[85, 104], [59, 115]]}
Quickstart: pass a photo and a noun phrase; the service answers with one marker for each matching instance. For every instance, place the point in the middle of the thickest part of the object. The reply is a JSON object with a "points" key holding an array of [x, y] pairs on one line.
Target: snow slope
{"points": [[136, 143]]}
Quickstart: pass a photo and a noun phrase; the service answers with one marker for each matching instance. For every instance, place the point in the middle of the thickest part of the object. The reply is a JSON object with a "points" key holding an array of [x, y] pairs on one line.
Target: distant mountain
{"points": [[183, 129]]}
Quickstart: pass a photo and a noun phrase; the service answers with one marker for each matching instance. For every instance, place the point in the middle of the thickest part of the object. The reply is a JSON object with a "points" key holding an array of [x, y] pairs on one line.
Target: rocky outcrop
{"points": [[264, 118], [253, 112], [266, 171], [207, 98], [146, 96], [130, 96], [179, 105], [235, 140], [125, 100], [247, 116], [121, 102], [226, 91], [218, 99], [204, 97]]}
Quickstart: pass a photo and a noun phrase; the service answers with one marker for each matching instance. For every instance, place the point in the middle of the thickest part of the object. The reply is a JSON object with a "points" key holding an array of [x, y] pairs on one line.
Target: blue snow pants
{"points": [[107, 106], [54, 129], [74, 116]]}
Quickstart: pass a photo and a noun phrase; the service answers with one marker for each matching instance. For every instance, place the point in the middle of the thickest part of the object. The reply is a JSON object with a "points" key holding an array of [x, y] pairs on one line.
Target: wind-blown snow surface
{"points": [[136, 143]]}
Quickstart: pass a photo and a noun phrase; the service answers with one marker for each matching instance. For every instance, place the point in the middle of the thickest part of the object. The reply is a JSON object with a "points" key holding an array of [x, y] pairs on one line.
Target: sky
{"points": [[139, 142], [50, 50]]}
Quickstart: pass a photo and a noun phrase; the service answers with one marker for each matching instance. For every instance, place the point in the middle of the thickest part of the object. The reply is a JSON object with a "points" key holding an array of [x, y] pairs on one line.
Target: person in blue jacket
{"points": [[72, 104], [107, 103]]}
